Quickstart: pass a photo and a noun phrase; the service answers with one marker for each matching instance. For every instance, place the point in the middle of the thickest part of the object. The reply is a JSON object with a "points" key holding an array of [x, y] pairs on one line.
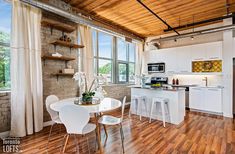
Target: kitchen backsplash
{"points": [[207, 66], [213, 80]]}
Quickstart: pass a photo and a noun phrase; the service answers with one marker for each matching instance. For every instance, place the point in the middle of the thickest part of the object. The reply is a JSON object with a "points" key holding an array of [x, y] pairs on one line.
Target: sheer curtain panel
{"points": [[86, 55], [26, 71], [139, 68]]}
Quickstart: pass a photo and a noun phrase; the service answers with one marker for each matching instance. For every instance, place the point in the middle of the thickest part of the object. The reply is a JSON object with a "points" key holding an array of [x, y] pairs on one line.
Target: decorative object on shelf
{"points": [[66, 44], [173, 81], [68, 70], [65, 38], [207, 66], [56, 54], [89, 93]]}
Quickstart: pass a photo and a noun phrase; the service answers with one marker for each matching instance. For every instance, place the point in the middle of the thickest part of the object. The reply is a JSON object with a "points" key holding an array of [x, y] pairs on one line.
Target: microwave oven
{"points": [[156, 67]]}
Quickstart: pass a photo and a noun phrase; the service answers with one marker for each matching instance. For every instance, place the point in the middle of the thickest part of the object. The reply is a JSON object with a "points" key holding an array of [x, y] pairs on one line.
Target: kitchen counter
{"points": [[158, 88], [176, 104]]}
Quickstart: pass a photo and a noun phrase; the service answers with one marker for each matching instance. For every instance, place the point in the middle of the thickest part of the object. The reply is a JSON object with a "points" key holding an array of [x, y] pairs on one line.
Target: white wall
{"points": [[227, 54]]}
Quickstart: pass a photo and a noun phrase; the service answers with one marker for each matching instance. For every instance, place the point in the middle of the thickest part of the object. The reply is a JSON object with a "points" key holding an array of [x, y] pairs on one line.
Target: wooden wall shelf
{"points": [[67, 44], [62, 74], [63, 58], [57, 25]]}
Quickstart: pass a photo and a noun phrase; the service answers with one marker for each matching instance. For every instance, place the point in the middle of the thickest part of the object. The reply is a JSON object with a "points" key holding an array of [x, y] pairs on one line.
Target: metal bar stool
{"points": [[139, 101], [163, 102]]}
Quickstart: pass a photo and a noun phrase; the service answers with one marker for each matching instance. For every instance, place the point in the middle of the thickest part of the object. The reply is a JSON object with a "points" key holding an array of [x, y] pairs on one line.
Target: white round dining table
{"points": [[107, 104]]}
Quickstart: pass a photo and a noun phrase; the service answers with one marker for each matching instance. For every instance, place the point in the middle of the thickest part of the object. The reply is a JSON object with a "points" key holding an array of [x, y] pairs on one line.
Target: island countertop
{"points": [[160, 88]]}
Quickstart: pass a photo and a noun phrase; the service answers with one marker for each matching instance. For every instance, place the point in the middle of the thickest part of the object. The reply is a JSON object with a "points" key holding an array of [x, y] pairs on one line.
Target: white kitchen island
{"points": [[176, 97]]}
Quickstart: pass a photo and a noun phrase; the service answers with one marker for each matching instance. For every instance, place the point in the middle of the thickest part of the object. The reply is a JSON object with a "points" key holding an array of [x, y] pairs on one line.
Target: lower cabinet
{"points": [[205, 99]]}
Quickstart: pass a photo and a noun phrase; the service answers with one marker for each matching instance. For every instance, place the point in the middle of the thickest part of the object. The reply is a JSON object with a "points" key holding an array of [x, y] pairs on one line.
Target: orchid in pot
{"points": [[88, 93]]}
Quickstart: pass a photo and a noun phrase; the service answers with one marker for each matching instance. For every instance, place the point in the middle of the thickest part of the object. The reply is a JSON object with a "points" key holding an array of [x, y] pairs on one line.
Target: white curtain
{"points": [[139, 62], [26, 71], [86, 54]]}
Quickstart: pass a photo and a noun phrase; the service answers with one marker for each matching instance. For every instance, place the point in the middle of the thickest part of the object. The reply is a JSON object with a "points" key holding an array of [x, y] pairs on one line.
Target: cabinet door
{"points": [[184, 59], [198, 52], [214, 51], [196, 98], [171, 60], [213, 100]]}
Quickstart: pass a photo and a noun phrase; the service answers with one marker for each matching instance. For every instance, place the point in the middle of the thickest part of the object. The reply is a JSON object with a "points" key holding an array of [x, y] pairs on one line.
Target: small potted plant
{"points": [[87, 95]]}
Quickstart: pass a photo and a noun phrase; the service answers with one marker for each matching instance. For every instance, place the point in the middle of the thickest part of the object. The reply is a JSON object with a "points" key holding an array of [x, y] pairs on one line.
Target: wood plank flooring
{"points": [[199, 133]]}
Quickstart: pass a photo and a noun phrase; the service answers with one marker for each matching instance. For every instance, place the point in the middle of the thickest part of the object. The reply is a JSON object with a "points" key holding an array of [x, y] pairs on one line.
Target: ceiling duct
{"points": [[192, 34]]}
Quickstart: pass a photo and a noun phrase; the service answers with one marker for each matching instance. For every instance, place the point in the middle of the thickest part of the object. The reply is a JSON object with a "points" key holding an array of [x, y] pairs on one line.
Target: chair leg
{"points": [[122, 138], [130, 109], [105, 130], [62, 145], [65, 144], [163, 113], [76, 143], [88, 144], [146, 109], [140, 108], [151, 111], [50, 135]]}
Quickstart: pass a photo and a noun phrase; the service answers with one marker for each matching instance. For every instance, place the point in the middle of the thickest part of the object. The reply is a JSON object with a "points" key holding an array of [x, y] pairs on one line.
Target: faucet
{"points": [[205, 79]]}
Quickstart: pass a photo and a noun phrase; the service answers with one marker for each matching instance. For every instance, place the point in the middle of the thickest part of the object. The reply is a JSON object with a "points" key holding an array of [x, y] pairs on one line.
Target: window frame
{"points": [[114, 58], [97, 57]]}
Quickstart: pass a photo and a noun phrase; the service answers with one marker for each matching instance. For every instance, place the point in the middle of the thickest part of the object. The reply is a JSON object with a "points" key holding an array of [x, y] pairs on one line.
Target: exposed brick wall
{"points": [[5, 113], [118, 91], [65, 86]]}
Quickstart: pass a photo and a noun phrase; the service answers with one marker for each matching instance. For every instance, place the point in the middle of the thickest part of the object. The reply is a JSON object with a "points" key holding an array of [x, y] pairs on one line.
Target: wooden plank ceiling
{"points": [[134, 17]]}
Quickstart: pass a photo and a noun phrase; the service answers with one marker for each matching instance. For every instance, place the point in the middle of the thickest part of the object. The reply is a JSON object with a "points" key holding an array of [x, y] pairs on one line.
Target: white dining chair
{"points": [[53, 114], [111, 121], [76, 118]]}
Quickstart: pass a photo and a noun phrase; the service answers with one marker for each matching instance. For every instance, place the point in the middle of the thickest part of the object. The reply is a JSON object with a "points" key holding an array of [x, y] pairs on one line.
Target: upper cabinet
{"points": [[178, 60], [207, 51], [214, 51]]}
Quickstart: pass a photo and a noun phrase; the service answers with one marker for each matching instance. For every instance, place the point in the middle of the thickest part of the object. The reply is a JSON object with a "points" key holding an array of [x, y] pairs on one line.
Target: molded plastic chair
{"points": [[111, 120], [76, 118], [53, 114]]}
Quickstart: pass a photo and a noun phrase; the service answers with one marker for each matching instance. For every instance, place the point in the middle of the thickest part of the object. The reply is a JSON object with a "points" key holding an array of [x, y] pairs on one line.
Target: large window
{"points": [[103, 49], [114, 58], [5, 30]]}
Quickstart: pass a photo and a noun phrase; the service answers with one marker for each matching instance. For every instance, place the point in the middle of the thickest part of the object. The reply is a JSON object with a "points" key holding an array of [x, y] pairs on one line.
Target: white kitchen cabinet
{"points": [[213, 100], [183, 60], [196, 96], [198, 52], [214, 51], [171, 60], [205, 99]]}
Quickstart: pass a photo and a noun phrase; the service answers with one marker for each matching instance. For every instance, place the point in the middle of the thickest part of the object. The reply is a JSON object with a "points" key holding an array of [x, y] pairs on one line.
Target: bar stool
{"points": [[139, 101], [163, 102]]}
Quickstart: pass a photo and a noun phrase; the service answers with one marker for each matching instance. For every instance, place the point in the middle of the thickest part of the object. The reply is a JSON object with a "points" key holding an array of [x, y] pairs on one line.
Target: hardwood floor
{"points": [[200, 133]]}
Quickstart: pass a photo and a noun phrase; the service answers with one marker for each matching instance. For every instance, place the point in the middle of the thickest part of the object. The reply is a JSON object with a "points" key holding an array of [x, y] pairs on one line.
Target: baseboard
{"points": [[4, 134]]}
